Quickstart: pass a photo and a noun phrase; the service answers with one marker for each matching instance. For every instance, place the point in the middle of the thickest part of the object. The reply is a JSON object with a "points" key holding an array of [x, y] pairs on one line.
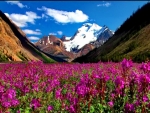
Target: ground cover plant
{"points": [[35, 87]]}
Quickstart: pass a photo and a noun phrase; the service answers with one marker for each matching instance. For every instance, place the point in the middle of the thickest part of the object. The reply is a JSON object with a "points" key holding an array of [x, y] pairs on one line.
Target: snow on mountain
{"points": [[86, 34], [68, 38]]}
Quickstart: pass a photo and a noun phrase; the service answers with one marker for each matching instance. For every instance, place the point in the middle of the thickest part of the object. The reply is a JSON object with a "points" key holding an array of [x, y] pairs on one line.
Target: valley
{"points": [[61, 57]]}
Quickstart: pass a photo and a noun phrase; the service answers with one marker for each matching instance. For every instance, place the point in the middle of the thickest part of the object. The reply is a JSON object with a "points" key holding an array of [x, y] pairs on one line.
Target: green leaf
{"points": [[27, 110], [100, 107], [92, 109]]}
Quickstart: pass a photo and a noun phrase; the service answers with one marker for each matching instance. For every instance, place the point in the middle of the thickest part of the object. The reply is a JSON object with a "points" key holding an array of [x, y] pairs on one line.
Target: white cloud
{"points": [[16, 3], [52, 33], [107, 4], [28, 31], [21, 20], [33, 38], [45, 16], [64, 16], [59, 32]]}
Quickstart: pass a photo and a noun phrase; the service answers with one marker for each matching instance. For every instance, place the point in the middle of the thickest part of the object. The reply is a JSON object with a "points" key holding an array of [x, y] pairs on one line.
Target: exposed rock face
{"points": [[87, 48], [14, 45], [49, 40], [54, 46]]}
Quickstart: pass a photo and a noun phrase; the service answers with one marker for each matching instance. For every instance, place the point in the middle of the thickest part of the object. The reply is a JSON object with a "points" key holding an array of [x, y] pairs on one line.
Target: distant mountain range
{"points": [[15, 46], [85, 39], [90, 43], [131, 40]]}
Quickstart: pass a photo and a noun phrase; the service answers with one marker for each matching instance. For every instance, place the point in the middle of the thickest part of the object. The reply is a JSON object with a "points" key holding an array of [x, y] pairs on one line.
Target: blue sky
{"points": [[41, 18]]}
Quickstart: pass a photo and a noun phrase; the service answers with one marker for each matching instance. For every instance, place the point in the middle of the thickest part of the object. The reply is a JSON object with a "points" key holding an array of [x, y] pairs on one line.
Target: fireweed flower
{"points": [[6, 104], [112, 95], [126, 63], [72, 109], [119, 82], [14, 102], [25, 89], [35, 103], [48, 88], [74, 101], [145, 98], [58, 94], [106, 77], [144, 81], [129, 107], [96, 76], [68, 96], [137, 102], [111, 104], [55, 83], [8, 98], [18, 111], [11, 93], [1, 89], [49, 108], [35, 87], [82, 89], [145, 67]]}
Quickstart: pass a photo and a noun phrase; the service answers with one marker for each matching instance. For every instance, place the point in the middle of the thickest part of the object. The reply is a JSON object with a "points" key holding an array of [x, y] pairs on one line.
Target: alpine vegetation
{"points": [[35, 87]]}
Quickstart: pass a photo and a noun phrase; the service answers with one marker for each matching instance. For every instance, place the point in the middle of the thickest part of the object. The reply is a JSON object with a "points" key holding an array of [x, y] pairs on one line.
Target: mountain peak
{"points": [[87, 33]]}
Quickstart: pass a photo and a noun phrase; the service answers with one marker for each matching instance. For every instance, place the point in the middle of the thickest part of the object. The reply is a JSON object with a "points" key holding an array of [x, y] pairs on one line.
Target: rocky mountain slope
{"points": [[54, 46], [14, 45], [131, 40]]}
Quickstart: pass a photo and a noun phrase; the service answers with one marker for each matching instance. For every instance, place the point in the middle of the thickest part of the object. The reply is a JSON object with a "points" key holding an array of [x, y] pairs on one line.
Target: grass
{"points": [[21, 56], [44, 57], [3, 57]]}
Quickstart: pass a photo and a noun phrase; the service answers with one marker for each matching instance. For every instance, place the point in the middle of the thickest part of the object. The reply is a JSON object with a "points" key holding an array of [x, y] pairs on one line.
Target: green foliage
{"points": [[131, 47], [92, 110], [3, 58], [140, 57], [57, 105], [21, 56], [27, 110], [44, 57]]}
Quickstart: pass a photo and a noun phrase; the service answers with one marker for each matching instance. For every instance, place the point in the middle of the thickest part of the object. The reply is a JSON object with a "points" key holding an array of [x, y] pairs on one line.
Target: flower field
{"points": [[35, 87]]}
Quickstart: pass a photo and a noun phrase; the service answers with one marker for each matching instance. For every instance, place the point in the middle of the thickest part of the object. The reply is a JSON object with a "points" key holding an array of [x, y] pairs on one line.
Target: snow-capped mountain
{"points": [[64, 38], [88, 33], [86, 38]]}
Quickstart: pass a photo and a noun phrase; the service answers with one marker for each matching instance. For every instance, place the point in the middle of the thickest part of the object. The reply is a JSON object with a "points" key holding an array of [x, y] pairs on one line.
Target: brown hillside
{"points": [[14, 45]]}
